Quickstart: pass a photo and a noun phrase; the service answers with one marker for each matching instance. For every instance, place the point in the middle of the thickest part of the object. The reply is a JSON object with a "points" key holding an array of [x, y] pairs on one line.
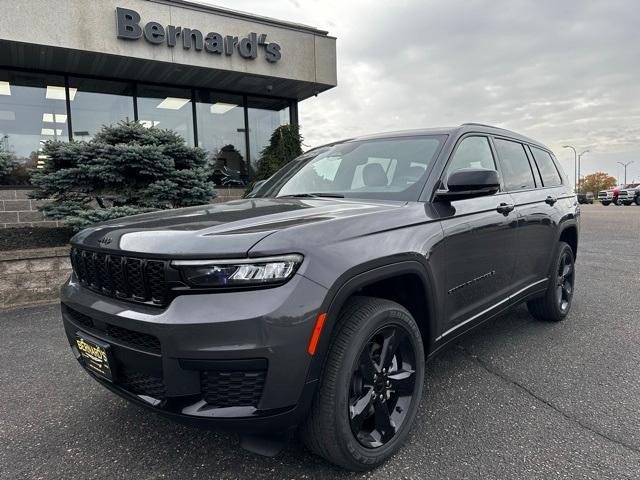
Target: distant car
{"points": [[609, 196], [630, 194], [585, 197]]}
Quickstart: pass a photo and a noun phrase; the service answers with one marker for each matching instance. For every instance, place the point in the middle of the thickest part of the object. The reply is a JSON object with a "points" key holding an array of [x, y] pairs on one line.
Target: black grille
{"points": [[80, 318], [128, 278], [140, 383], [144, 341], [232, 389]]}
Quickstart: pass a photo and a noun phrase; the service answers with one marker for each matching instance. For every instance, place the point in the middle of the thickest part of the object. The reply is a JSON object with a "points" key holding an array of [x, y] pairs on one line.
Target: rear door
{"points": [[535, 205], [480, 243]]}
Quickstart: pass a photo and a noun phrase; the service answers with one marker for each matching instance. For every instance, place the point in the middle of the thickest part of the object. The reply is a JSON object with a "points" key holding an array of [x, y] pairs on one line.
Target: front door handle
{"points": [[505, 208], [550, 200]]}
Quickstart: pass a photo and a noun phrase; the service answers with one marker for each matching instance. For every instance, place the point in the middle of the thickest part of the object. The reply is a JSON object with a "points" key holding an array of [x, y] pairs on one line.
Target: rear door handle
{"points": [[505, 208], [551, 200]]}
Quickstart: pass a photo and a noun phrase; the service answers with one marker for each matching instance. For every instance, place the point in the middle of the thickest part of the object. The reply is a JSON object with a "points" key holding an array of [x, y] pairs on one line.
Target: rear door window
{"points": [[516, 170], [547, 168]]}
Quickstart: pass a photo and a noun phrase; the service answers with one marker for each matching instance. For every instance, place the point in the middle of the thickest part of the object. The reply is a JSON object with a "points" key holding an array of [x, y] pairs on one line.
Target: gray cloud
{"points": [[558, 71]]}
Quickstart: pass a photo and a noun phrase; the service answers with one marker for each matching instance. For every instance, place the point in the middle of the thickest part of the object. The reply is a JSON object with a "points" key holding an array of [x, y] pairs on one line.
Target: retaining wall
{"points": [[35, 276], [18, 210]]}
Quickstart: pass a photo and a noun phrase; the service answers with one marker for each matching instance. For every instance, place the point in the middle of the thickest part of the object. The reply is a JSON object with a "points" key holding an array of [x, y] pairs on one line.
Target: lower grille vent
{"points": [[140, 383], [144, 341], [232, 389]]}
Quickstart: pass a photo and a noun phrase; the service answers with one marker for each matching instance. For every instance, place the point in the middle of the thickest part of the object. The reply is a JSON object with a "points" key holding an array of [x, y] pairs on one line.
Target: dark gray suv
{"points": [[316, 301]]}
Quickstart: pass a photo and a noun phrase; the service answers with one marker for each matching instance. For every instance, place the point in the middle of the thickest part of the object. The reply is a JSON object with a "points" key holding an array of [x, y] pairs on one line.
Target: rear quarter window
{"points": [[547, 168]]}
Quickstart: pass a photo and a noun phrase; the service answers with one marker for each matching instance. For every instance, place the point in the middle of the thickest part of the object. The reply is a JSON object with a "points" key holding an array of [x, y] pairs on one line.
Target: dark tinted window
{"points": [[548, 170], [515, 165], [472, 152]]}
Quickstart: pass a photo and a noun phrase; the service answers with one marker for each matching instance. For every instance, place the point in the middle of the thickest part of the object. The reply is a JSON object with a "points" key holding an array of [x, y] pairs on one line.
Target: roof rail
{"points": [[482, 125]]}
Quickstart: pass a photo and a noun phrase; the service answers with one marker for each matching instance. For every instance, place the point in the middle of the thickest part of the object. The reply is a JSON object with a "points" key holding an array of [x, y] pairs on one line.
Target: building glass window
{"points": [[98, 103], [165, 107], [33, 109], [265, 115], [221, 133]]}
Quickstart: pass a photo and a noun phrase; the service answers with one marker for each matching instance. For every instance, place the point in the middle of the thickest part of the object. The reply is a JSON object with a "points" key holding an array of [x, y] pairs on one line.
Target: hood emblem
{"points": [[105, 241]]}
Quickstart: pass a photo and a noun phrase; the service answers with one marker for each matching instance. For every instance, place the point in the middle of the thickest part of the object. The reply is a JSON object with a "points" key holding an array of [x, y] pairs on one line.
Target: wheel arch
{"points": [[362, 280], [569, 234]]}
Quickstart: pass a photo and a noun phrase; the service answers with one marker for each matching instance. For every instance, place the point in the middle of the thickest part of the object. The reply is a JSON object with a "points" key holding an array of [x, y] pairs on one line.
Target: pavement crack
{"points": [[485, 366]]}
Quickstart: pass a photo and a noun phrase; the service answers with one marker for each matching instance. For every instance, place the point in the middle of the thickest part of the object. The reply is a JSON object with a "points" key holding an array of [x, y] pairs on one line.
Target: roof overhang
{"points": [[82, 37]]}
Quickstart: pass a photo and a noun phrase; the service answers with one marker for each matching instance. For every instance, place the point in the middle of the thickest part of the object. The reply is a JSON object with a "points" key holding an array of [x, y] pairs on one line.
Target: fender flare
{"points": [[366, 274]]}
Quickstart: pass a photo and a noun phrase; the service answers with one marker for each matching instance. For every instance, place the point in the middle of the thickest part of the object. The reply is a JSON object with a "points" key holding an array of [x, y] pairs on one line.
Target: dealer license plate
{"points": [[95, 355]]}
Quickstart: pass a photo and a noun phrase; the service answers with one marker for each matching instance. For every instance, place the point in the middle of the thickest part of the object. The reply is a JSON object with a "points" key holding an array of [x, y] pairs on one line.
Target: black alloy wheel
{"points": [[371, 385], [564, 282], [382, 386], [554, 304]]}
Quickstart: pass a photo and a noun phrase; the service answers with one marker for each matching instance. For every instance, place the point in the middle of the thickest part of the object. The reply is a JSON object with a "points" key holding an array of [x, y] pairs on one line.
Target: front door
{"points": [[480, 244]]}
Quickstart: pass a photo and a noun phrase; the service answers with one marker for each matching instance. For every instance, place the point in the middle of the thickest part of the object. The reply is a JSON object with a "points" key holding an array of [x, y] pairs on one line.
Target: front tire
{"points": [[555, 304], [606, 204], [637, 201], [370, 387]]}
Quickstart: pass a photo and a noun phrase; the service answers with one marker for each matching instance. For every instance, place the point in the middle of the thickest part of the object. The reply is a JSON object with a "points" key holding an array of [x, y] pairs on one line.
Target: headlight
{"points": [[239, 273]]}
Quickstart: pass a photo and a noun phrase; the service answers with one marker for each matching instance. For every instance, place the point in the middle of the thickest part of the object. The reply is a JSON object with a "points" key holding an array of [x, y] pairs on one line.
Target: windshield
{"points": [[393, 168]]}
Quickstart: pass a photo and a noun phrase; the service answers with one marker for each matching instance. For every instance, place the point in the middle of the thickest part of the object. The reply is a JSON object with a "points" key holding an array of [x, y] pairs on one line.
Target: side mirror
{"points": [[470, 183]]}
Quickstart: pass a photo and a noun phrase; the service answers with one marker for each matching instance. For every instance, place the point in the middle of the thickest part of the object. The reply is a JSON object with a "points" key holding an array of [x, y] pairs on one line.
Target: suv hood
{"points": [[221, 230]]}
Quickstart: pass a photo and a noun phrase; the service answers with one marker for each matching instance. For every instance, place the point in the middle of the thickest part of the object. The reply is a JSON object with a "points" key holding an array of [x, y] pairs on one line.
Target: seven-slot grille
{"points": [[128, 278]]}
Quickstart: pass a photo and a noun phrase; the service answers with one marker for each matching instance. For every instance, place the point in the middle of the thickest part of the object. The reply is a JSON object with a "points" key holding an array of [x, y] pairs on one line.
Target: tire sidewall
{"points": [[387, 317], [562, 248]]}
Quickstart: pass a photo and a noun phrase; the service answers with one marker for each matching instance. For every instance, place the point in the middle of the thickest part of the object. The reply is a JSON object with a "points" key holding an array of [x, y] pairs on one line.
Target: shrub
{"points": [[285, 145], [124, 170], [8, 163]]}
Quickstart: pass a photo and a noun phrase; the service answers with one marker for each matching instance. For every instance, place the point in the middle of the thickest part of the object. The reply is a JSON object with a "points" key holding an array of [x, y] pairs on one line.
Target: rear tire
{"points": [[555, 304], [374, 367], [605, 203]]}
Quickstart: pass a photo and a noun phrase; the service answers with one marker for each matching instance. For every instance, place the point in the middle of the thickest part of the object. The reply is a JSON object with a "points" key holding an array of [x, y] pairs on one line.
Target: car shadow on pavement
{"points": [[146, 442]]}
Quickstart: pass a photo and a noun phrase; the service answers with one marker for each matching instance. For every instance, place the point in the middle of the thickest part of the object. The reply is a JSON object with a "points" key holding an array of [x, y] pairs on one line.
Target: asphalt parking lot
{"points": [[515, 399]]}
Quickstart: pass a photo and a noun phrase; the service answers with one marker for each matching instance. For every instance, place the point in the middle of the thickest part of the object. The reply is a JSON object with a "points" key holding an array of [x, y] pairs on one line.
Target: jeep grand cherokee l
{"points": [[316, 301]]}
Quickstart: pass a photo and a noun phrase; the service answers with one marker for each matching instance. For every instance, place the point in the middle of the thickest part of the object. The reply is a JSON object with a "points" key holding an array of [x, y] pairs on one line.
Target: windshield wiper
{"points": [[312, 195]]}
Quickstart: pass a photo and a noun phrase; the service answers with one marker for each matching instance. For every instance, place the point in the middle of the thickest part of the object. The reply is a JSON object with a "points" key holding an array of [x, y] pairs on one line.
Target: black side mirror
{"points": [[470, 183]]}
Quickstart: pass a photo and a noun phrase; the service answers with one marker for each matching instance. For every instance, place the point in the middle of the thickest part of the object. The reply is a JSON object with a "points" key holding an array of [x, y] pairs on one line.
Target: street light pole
{"points": [[579, 158], [575, 163], [625, 165]]}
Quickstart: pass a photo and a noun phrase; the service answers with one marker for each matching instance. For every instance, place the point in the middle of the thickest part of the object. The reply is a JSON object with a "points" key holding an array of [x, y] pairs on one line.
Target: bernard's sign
{"points": [[130, 28]]}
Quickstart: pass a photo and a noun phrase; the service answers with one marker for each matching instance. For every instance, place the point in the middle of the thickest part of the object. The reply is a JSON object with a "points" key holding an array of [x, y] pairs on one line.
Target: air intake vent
{"points": [[232, 389]]}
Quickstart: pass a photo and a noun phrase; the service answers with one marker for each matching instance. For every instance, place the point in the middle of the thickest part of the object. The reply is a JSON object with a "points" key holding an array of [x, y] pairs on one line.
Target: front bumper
{"points": [[235, 359]]}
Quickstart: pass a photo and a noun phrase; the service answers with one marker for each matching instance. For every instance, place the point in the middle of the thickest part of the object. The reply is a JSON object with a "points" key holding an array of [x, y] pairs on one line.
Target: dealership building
{"points": [[224, 80]]}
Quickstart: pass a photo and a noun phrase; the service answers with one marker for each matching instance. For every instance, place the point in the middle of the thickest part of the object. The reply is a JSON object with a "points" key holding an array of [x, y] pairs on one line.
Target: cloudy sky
{"points": [[560, 71]]}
